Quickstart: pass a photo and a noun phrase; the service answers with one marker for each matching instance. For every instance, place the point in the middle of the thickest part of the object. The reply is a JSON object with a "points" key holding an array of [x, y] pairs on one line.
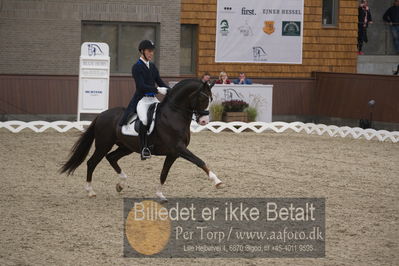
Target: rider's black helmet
{"points": [[146, 44]]}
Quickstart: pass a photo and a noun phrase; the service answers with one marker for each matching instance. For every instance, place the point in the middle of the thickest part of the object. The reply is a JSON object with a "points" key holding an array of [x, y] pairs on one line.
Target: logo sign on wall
{"points": [[93, 78], [254, 31], [256, 95]]}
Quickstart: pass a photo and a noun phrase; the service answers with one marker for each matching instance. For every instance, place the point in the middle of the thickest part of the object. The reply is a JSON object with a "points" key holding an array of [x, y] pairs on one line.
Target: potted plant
{"points": [[252, 113], [234, 111], [216, 111]]}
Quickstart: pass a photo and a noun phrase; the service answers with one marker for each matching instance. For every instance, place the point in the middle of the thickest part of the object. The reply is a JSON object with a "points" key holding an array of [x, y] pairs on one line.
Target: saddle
{"points": [[133, 125]]}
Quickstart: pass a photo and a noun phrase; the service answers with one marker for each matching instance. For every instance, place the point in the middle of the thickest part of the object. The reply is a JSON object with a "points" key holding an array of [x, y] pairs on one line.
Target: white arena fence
{"points": [[237, 127]]}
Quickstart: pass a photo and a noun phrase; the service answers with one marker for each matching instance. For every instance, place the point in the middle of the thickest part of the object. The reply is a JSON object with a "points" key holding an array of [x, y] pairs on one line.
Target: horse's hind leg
{"points": [[97, 156], [113, 158]]}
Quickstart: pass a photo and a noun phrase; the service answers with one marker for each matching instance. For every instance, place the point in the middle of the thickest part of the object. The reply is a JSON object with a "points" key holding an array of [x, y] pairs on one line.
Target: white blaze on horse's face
{"points": [[203, 120]]}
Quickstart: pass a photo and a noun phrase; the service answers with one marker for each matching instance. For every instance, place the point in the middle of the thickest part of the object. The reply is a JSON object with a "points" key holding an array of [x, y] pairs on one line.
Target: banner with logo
{"points": [[254, 31]]}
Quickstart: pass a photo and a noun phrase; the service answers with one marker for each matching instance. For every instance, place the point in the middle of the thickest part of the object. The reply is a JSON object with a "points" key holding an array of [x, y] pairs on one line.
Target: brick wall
{"points": [[324, 49], [44, 37]]}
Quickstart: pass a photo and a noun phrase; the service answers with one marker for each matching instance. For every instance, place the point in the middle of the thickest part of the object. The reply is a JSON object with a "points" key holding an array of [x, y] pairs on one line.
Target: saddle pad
{"points": [[132, 127]]}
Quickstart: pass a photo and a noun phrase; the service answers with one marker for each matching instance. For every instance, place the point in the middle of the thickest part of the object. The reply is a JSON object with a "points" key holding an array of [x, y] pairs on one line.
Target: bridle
{"points": [[198, 113]]}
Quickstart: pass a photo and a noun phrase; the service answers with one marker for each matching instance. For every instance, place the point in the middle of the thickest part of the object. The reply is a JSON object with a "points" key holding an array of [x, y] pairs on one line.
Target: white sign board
{"points": [[257, 95], [254, 31], [93, 78]]}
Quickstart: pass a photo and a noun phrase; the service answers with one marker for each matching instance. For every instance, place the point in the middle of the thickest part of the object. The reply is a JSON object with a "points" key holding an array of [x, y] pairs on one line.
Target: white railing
{"points": [[237, 127], [41, 126]]}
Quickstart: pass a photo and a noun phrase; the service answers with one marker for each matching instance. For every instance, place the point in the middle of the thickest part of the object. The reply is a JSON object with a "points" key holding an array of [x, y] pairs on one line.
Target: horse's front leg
{"points": [[188, 155], [170, 159]]}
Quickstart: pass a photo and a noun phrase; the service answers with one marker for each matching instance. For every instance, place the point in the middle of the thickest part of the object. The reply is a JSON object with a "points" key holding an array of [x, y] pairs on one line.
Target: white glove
{"points": [[162, 90]]}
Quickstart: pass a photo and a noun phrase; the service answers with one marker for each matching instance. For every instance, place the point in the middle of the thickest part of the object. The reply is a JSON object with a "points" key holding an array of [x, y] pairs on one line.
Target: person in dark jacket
{"points": [[148, 84], [391, 17], [364, 19], [242, 79]]}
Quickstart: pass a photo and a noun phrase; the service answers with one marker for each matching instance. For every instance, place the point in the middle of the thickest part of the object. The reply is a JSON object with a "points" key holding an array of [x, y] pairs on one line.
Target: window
{"points": [[330, 13], [188, 48], [123, 40]]}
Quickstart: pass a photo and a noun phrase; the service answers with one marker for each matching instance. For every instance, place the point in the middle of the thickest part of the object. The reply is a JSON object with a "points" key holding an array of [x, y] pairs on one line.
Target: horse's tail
{"points": [[80, 150]]}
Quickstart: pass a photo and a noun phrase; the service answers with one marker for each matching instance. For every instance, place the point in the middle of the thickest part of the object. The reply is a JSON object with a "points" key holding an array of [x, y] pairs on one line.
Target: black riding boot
{"points": [[145, 151]]}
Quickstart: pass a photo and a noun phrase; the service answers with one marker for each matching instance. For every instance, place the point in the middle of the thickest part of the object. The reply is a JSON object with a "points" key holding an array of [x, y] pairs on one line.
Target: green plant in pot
{"points": [[252, 113], [216, 111]]}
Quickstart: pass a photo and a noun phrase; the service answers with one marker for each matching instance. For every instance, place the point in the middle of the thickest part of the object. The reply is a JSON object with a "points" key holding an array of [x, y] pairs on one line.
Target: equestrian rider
{"points": [[146, 75]]}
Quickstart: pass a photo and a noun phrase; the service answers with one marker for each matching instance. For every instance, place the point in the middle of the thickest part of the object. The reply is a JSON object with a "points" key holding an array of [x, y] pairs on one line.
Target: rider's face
{"points": [[149, 54]]}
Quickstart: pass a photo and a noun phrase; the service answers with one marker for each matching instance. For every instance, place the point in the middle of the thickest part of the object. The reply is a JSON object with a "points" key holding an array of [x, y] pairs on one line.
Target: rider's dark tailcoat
{"points": [[146, 80]]}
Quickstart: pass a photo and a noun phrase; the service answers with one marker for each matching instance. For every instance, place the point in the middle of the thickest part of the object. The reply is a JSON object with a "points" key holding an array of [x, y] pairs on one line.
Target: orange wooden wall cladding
{"points": [[324, 49]]}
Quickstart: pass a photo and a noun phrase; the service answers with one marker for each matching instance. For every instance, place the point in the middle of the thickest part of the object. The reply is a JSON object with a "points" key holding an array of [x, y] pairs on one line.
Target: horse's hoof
{"points": [[219, 185], [161, 197], [164, 200], [119, 188], [92, 195]]}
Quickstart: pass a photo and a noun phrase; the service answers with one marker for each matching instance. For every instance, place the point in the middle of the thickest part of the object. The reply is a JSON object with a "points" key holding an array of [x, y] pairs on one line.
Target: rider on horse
{"points": [[146, 75]]}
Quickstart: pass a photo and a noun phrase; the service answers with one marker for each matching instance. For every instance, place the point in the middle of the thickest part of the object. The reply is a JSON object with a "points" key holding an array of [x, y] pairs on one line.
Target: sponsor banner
{"points": [[224, 227], [259, 31]]}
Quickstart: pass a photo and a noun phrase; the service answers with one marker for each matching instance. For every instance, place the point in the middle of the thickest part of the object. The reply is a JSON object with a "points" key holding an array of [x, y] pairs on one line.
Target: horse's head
{"points": [[191, 96], [200, 101]]}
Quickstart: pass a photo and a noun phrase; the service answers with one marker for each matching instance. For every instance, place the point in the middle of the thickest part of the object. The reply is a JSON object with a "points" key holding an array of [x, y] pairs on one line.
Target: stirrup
{"points": [[145, 153]]}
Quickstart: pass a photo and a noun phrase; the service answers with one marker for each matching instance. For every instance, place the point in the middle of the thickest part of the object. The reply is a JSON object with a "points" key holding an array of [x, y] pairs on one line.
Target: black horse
{"points": [[170, 137]]}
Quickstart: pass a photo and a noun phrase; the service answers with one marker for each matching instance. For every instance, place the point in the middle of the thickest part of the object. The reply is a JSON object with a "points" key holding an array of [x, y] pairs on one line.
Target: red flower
{"points": [[234, 105]]}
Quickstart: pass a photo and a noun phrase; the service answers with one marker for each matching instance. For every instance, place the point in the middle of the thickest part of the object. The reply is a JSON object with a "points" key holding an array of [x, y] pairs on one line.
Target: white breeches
{"points": [[142, 108]]}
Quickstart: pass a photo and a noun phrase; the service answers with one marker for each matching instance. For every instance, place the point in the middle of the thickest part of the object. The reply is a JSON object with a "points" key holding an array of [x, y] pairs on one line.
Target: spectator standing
{"points": [[391, 17], [364, 19]]}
